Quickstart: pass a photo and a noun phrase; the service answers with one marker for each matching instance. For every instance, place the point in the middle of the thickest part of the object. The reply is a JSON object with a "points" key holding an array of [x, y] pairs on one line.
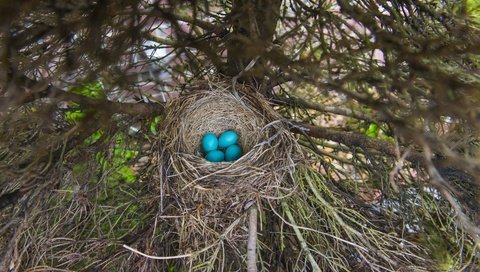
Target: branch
{"points": [[443, 187], [135, 109], [355, 140], [218, 29], [252, 240], [51, 154], [300, 238], [297, 101], [160, 40], [253, 27], [10, 10], [190, 41], [28, 90], [164, 13]]}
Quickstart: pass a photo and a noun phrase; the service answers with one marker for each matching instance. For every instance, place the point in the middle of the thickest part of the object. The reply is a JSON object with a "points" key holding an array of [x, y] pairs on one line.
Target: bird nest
{"points": [[270, 150], [213, 197]]}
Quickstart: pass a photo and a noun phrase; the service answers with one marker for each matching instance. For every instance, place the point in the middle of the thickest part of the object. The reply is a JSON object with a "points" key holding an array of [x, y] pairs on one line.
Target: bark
{"points": [[254, 23], [352, 139], [252, 240]]}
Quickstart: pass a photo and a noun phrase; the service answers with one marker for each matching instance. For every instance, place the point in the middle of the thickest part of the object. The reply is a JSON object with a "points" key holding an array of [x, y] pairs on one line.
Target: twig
{"points": [[355, 140], [168, 257], [30, 90], [442, 185], [398, 167], [292, 100], [249, 66], [252, 240], [294, 225], [164, 13], [300, 238], [161, 40]]}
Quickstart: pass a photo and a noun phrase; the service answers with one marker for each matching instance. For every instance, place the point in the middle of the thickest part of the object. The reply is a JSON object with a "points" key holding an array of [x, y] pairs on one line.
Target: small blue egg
{"points": [[209, 142], [233, 152], [215, 156], [227, 139]]}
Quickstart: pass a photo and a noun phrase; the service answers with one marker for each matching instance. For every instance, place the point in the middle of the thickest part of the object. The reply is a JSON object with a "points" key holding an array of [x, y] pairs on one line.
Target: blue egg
{"points": [[209, 142], [233, 152], [227, 139], [215, 156]]}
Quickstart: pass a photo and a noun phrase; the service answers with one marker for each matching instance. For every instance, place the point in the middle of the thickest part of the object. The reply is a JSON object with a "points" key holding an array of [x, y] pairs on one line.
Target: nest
{"points": [[213, 197], [270, 150]]}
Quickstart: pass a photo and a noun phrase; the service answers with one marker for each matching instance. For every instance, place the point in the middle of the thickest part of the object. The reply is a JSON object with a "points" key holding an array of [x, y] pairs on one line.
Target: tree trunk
{"points": [[254, 23]]}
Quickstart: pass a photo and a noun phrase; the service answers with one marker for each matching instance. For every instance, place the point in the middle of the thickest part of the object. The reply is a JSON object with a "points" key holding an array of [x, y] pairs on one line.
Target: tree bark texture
{"points": [[254, 23]]}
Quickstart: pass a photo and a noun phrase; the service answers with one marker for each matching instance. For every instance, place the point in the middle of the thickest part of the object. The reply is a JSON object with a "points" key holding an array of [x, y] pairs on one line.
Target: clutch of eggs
{"points": [[223, 148]]}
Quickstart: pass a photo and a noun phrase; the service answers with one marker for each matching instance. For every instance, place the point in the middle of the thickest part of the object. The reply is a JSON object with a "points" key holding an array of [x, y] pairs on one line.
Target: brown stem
{"points": [[172, 16], [252, 240], [28, 90], [355, 140], [297, 101]]}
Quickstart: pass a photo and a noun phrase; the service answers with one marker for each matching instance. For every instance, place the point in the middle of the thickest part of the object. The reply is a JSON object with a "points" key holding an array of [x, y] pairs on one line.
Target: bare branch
{"points": [[160, 40], [355, 140], [297, 101], [163, 13], [252, 240], [29, 90]]}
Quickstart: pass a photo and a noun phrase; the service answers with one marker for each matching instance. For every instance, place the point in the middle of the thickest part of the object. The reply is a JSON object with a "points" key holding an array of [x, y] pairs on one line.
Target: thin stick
{"points": [[168, 257], [300, 238], [252, 240]]}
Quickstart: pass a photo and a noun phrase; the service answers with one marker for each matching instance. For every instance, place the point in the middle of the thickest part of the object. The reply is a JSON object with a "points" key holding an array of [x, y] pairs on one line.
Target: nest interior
{"points": [[218, 115], [270, 151]]}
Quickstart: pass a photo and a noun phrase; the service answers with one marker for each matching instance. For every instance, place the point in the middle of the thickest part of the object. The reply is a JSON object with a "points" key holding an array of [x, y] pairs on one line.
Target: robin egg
{"points": [[227, 139], [209, 142], [233, 152], [215, 156]]}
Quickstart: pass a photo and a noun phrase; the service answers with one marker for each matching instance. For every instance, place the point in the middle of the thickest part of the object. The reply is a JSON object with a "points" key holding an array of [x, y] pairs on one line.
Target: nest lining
{"points": [[214, 117]]}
